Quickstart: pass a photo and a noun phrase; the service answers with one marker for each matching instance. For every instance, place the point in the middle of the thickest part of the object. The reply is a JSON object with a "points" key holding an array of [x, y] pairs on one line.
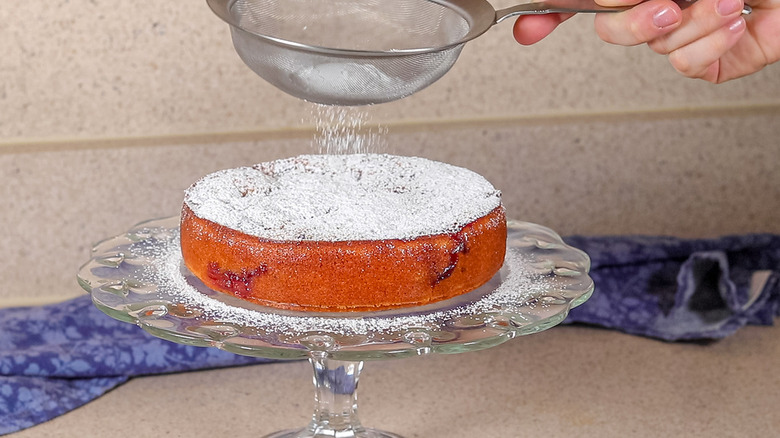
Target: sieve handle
{"points": [[572, 7]]}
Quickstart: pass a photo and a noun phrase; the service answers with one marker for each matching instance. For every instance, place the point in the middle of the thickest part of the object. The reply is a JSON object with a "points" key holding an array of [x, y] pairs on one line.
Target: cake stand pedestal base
{"points": [[306, 433], [335, 402]]}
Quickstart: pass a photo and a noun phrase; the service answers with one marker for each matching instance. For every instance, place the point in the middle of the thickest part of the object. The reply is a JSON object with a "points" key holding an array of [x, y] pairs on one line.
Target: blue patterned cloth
{"points": [[678, 289], [56, 358]]}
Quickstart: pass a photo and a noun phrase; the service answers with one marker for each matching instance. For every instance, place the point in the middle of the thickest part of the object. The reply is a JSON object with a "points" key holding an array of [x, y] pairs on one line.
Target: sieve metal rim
{"points": [[479, 14]]}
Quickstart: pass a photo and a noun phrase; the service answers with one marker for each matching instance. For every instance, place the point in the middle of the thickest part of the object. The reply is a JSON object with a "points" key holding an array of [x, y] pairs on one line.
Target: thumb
{"points": [[530, 29]]}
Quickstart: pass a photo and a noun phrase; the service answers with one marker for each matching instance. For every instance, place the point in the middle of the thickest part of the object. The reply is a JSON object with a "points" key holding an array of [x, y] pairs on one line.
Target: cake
{"points": [[335, 233]]}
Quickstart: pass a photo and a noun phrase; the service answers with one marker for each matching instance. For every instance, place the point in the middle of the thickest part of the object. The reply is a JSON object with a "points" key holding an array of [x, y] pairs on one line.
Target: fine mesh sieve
{"points": [[358, 52]]}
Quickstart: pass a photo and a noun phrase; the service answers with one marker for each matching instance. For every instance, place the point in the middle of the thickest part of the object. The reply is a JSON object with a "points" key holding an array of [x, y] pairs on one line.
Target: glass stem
{"points": [[335, 397]]}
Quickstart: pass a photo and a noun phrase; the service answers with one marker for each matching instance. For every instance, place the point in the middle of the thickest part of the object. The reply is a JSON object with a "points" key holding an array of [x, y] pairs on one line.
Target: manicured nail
{"points": [[729, 7], [737, 25], [666, 17]]}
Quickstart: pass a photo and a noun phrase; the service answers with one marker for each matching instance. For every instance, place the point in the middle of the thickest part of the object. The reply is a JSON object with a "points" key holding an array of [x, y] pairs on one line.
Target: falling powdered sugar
{"points": [[345, 130], [344, 198]]}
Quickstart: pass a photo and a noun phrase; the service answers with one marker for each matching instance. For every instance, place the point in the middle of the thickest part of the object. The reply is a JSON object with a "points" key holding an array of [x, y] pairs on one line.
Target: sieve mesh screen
{"points": [[348, 52], [368, 25]]}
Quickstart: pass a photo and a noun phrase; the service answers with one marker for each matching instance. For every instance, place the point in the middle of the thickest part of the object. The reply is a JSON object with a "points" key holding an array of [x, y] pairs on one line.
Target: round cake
{"points": [[334, 233]]}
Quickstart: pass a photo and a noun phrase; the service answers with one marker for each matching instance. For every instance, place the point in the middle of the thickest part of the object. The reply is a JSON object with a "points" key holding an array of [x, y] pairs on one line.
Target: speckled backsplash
{"points": [[109, 110]]}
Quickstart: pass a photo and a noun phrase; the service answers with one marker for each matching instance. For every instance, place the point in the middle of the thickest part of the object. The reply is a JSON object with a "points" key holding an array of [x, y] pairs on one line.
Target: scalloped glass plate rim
{"points": [[489, 329]]}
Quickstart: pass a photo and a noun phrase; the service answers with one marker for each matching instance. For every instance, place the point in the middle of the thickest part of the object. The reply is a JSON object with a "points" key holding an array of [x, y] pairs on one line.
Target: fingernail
{"points": [[666, 17], [737, 25], [729, 7]]}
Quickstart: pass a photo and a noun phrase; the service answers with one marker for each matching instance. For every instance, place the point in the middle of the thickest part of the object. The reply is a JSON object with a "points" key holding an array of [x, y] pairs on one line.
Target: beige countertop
{"points": [[565, 382]]}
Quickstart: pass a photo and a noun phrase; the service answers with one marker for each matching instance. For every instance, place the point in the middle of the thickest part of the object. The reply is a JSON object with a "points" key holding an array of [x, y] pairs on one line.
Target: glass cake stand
{"points": [[139, 277]]}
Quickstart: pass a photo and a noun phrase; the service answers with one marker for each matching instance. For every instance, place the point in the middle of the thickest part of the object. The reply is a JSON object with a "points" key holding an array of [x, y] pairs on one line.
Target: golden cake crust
{"points": [[327, 276]]}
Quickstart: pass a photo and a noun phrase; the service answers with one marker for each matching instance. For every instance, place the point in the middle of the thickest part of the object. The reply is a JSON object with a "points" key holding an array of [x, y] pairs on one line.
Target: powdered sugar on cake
{"points": [[343, 197]]}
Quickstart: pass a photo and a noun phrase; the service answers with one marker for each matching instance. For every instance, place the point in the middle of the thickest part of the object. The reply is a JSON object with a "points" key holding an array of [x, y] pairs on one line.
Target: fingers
{"points": [[644, 22], [695, 39], [702, 19], [618, 3], [710, 29], [530, 29], [700, 59]]}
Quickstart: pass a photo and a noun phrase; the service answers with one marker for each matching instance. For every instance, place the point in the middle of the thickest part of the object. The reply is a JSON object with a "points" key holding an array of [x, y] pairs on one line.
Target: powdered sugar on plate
{"points": [[344, 197], [509, 291]]}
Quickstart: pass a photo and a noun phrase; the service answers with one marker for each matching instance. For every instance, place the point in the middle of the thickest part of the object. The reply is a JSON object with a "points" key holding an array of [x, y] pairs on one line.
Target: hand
{"points": [[710, 39]]}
